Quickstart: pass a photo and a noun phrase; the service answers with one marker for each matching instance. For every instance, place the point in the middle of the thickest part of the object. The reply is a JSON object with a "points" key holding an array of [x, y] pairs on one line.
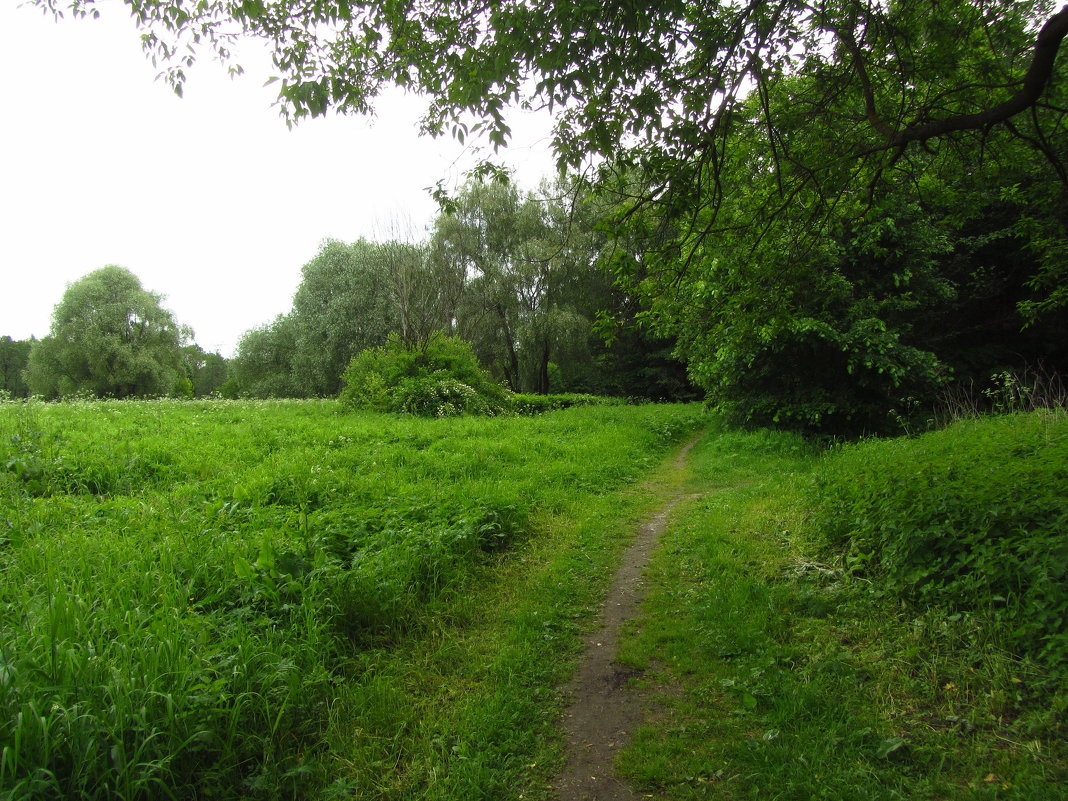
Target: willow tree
{"points": [[109, 337]]}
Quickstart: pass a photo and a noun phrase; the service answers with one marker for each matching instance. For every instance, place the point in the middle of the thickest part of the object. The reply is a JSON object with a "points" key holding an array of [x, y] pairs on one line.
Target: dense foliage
{"points": [[525, 403], [111, 338], [207, 372], [848, 313], [14, 356], [969, 520], [442, 378], [345, 303], [514, 273]]}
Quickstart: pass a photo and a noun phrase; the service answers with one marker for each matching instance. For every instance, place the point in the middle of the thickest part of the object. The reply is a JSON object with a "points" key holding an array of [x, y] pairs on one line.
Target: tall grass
{"points": [[1006, 392], [882, 621], [970, 520], [188, 587]]}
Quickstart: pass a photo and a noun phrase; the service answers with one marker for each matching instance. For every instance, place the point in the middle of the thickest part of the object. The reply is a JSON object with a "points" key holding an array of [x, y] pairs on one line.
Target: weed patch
{"points": [[969, 520]]}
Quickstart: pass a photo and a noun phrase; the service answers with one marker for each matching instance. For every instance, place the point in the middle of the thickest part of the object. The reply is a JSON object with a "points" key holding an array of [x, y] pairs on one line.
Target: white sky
{"points": [[210, 200]]}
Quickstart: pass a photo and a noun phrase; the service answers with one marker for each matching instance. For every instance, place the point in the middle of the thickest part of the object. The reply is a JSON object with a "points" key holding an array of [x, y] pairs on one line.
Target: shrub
{"points": [[970, 520], [536, 404], [437, 395], [441, 379]]}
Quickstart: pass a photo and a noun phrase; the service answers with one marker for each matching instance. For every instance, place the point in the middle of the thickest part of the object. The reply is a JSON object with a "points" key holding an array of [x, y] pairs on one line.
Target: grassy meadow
{"points": [[288, 600], [226, 600]]}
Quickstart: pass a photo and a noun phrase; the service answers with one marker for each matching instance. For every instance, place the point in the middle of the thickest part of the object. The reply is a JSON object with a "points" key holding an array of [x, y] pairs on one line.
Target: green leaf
{"points": [[243, 568], [890, 746]]}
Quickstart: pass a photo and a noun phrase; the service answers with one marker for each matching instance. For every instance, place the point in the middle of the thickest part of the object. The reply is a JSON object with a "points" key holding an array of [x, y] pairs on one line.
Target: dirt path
{"points": [[604, 712]]}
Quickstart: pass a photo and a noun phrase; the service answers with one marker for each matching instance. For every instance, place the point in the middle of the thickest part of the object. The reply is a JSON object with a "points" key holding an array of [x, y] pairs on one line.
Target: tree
{"points": [[343, 305], [351, 297], [263, 366], [14, 356], [206, 372], [524, 263], [845, 323], [658, 87], [109, 337], [426, 286]]}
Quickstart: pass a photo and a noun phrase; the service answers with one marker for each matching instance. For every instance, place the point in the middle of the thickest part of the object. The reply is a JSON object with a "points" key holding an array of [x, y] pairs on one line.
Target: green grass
{"points": [[285, 600], [970, 520], [779, 674]]}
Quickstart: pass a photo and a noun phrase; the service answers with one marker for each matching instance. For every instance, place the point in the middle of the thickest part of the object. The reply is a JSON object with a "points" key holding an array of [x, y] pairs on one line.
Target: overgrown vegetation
{"points": [[871, 623], [525, 403], [440, 379], [243, 600], [288, 599], [831, 235], [969, 520]]}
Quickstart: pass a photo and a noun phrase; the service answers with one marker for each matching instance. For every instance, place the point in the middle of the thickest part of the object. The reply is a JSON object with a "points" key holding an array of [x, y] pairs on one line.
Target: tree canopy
{"points": [[840, 301], [653, 85], [514, 273], [112, 338]]}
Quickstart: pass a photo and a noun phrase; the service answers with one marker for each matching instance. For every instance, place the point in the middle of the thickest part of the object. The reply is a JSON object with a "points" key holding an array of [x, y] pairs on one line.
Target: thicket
{"points": [[443, 378], [969, 520], [189, 585], [525, 403]]}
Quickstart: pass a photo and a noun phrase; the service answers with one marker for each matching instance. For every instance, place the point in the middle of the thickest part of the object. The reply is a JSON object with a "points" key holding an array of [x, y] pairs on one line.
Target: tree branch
{"points": [[1038, 75]]}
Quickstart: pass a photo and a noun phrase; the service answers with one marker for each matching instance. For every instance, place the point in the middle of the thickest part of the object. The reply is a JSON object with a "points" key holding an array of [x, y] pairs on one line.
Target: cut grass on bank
{"points": [[786, 671], [283, 600]]}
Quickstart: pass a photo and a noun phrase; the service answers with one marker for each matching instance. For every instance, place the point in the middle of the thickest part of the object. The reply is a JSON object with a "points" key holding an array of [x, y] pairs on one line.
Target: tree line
{"points": [[516, 274], [568, 290], [831, 211], [110, 337]]}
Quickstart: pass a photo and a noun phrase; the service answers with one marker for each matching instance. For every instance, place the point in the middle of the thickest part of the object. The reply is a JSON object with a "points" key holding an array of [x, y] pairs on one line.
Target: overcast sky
{"points": [[210, 200]]}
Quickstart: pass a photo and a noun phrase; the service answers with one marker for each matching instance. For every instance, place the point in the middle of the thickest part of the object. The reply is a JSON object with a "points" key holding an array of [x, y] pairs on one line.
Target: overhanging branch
{"points": [[1034, 83]]}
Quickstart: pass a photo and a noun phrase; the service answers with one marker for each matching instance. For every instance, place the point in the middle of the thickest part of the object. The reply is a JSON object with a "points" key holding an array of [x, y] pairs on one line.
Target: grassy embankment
{"points": [[283, 600], [884, 621]]}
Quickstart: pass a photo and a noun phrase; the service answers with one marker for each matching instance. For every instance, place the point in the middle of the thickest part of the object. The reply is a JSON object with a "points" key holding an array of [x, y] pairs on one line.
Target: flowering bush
{"points": [[438, 395]]}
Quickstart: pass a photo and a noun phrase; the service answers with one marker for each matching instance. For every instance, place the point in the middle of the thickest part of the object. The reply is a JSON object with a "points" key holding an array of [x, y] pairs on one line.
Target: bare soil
{"points": [[605, 710]]}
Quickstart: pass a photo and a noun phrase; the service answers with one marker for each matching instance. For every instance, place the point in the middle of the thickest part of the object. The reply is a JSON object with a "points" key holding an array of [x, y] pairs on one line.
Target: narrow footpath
{"points": [[604, 711]]}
